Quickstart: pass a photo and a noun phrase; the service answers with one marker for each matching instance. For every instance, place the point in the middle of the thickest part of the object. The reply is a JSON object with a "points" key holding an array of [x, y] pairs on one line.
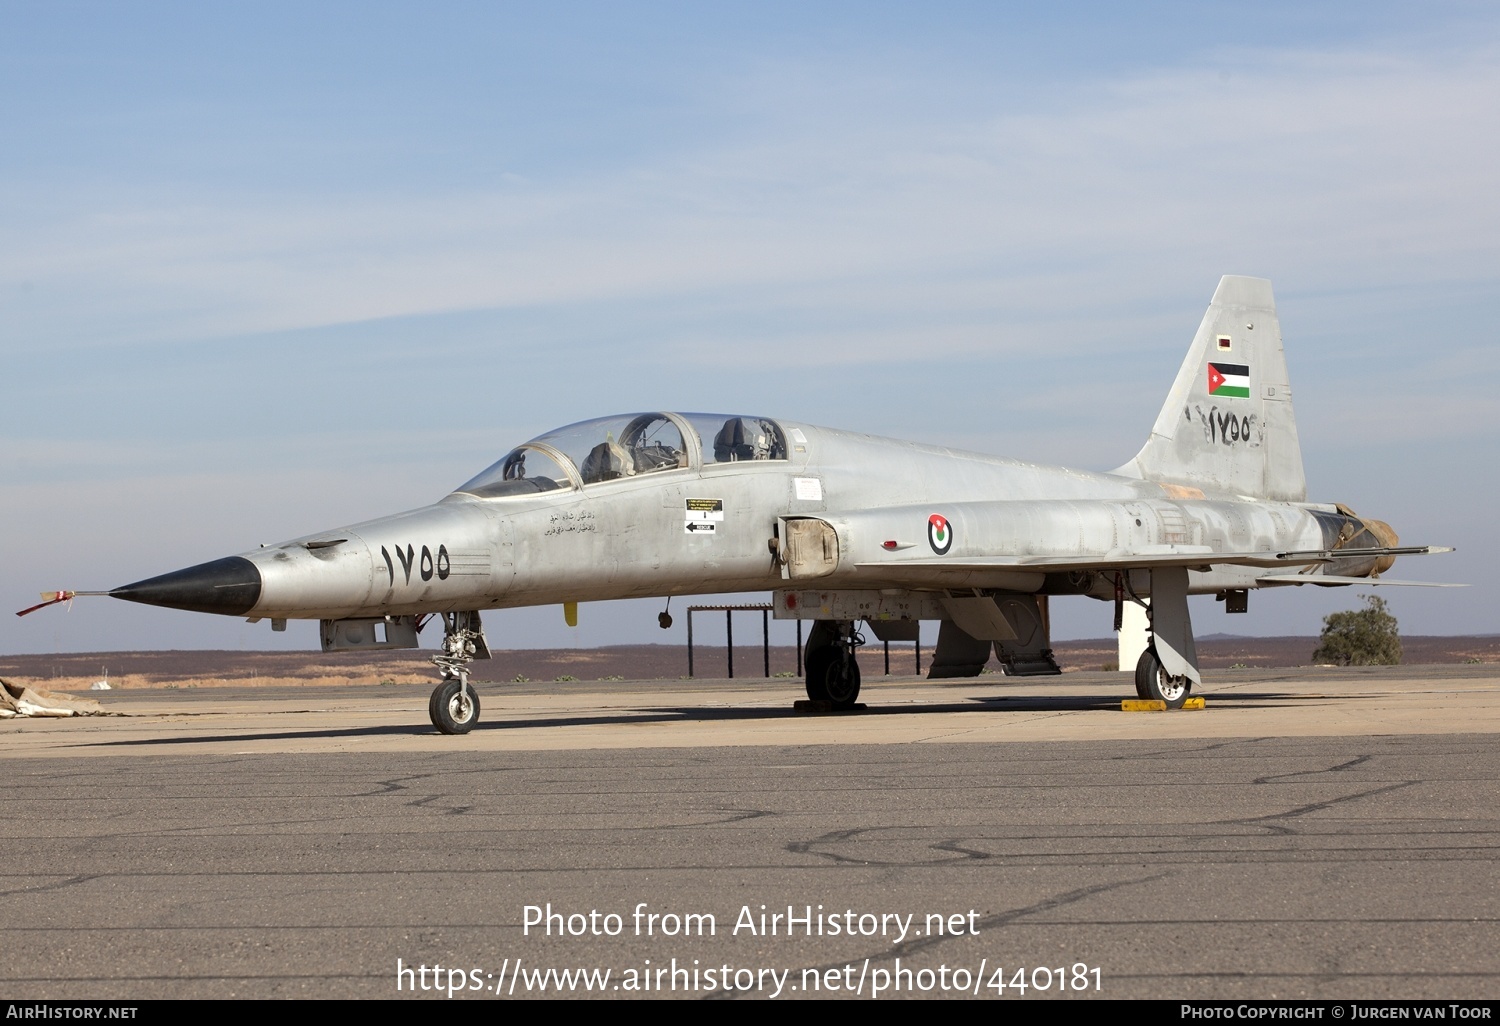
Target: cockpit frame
{"points": [[629, 447]]}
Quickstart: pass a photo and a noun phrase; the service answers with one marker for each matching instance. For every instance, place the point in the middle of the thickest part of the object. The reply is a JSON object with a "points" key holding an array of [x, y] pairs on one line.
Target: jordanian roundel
{"points": [[939, 534], [1229, 379]]}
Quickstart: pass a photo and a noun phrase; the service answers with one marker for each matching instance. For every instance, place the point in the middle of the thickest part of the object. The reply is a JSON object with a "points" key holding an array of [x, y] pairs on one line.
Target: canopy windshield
{"points": [[631, 445], [523, 471]]}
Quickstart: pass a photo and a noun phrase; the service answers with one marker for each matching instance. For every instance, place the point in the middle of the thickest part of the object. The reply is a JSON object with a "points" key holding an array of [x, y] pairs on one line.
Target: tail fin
{"points": [[1228, 425]]}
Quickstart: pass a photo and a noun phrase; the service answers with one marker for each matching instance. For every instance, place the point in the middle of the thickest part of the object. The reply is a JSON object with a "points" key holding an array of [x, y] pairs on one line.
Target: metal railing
{"points": [[764, 609]]}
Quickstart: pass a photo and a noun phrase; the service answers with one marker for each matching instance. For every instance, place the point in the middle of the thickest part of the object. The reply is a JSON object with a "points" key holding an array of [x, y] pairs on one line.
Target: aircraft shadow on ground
{"points": [[982, 705]]}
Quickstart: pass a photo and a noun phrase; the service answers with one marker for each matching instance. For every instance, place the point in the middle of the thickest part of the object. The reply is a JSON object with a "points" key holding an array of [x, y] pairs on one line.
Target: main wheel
{"points": [[454, 708], [1159, 683], [842, 683], [832, 678], [817, 665], [1143, 669]]}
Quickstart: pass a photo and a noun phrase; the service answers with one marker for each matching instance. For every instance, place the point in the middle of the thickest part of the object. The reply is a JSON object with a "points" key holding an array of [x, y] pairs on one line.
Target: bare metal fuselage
{"points": [[630, 537]]}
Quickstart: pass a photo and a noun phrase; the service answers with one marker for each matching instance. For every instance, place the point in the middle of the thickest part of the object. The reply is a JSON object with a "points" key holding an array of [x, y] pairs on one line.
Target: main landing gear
{"points": [[454, 705], [1152, 681], [832, 671], [1168, 668]]}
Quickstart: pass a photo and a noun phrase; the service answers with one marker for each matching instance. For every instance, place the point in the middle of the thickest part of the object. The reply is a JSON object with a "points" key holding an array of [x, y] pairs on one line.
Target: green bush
{"points": [[1360, 637]]}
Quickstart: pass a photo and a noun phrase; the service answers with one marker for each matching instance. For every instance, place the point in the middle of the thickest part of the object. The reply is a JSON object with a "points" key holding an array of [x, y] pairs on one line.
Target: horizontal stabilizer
{"points": [[1329, 579], [1328, 555]]}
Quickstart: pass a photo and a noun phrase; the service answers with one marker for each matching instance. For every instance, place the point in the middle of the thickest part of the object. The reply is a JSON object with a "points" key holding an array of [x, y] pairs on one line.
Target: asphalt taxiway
{"points": [[1312, 833]]}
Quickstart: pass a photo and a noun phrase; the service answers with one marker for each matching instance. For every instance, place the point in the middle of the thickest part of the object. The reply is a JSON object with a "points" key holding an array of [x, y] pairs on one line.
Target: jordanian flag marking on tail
{"points": [[1229, 379]]}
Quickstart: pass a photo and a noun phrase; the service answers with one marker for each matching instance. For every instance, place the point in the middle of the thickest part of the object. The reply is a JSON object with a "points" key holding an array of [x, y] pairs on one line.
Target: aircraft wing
{"points": [[1191, 556]]}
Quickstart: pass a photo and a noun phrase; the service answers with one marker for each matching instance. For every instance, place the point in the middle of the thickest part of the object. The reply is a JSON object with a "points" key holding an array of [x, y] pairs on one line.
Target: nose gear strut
{"points": [[454, 706]]}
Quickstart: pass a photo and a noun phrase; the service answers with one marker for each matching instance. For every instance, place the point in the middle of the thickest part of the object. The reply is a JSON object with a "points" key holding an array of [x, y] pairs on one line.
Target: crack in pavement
{"points": [[1303, 810], [56, 886], [1356, 761]]}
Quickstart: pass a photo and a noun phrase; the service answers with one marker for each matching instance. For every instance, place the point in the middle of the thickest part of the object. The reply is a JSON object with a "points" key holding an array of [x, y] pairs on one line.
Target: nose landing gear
{"points": [[454, 705]]}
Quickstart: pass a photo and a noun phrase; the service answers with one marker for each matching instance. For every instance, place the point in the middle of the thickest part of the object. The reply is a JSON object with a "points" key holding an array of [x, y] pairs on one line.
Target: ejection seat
{"points": [[741, 439], [605, 462]]}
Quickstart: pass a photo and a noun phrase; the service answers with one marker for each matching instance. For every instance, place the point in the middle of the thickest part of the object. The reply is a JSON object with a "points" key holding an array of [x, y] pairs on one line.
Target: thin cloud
{"points": [[1290, 160]]}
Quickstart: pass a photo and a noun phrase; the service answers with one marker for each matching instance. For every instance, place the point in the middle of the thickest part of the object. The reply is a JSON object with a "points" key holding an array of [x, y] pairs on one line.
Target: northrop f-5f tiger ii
{"points": [[841, 528]]}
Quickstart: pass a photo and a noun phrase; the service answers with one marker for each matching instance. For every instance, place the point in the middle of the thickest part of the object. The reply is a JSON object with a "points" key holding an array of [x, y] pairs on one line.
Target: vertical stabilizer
{"points": [[1228, 426]]}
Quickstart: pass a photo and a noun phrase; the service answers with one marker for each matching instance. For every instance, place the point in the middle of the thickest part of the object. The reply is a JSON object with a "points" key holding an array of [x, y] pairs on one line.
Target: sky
{"points": [[268, 269]]}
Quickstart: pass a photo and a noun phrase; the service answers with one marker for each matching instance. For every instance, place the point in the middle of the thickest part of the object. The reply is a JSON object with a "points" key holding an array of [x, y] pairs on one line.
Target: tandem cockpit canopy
{"points": [[611, 448]]}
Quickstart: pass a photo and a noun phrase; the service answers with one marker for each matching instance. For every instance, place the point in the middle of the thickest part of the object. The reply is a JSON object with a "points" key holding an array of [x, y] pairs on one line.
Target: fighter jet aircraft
{"points": [[842, 528]]}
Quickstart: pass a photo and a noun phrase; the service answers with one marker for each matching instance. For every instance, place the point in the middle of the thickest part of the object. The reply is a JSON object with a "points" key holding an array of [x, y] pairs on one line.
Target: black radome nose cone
{"points": [[230, 586]]}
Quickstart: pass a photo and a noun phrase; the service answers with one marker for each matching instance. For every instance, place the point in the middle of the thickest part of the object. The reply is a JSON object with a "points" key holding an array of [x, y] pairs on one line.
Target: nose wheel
{"points": [[453, 707]]}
